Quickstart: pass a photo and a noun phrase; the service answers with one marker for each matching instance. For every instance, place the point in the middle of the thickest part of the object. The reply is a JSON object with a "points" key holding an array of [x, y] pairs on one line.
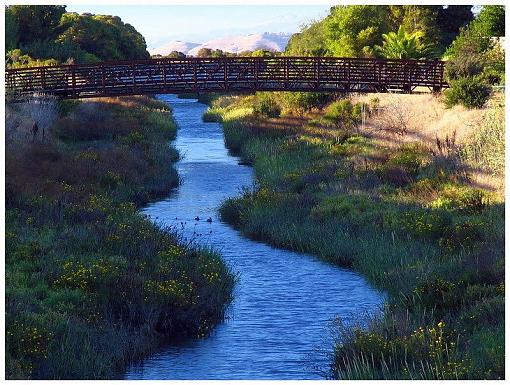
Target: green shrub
{"points": [[388, 352], [462, 198], [409, 156], [65, 107], [213, 115], [488, 311], [486, 352], [485, 149], [230, 211], [301, 102], [471, 92], [423, 223], [437, 293], [374, 103], [463, 233], [344, 206], [492, 77], [464, 66], [267, 106], [341, 114]]}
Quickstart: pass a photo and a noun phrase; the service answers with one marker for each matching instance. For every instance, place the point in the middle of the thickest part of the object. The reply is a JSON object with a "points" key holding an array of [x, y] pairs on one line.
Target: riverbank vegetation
{"points": [[405, 213], [91, 284], [405, 189]]}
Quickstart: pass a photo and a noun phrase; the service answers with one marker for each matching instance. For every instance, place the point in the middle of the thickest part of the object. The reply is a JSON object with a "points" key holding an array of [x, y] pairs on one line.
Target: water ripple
{"points": [[279, 325]]}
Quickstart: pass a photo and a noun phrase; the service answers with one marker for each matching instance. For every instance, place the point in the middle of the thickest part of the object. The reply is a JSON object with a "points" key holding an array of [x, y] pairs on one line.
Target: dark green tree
{"points": [[11, 30], [417, 18], [491, 21], [175, 55], [451, 19], [36, 22], [309, 42], [204, 52], [106, 37]]}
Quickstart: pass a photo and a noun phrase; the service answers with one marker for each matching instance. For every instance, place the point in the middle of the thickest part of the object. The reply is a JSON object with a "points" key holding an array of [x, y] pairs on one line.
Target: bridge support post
{"points": [[348, 84], [103, 85], [195, 85], [134, 77], [317, 72], [286, 72], [225, 74], [43, 79], [164, 74], [73, 80]]}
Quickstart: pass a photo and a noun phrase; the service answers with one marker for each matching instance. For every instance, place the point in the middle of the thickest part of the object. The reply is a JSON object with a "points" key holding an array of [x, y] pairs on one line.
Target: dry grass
{"points": [[427, 121], [135, 101], [425, 116]]}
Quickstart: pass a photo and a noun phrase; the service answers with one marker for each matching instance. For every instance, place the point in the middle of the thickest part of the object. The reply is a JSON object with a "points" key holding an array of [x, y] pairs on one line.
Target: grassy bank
{"points": [[404, 213], [91, 284]]}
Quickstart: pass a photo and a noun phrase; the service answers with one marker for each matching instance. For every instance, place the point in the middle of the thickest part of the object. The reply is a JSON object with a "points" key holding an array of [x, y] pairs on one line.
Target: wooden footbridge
{"points": [[232, 74]]}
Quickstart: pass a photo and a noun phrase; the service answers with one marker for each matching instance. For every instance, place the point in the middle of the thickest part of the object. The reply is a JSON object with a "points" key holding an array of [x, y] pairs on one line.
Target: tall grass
{"points": [[486, 147], [410, 221], [91, 284]]}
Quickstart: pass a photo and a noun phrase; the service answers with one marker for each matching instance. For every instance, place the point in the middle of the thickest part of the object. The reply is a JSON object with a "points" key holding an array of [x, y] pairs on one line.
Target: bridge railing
{"points": [[324, 74]]}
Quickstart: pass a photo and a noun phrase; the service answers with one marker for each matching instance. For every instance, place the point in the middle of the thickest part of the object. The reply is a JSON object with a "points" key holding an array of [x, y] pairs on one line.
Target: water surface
{"points": [[279, 325]]}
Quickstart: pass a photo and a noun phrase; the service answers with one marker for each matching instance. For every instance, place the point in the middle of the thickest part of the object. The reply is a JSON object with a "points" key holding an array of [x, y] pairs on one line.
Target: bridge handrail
{"points": [[193, 74], [228, 58]]}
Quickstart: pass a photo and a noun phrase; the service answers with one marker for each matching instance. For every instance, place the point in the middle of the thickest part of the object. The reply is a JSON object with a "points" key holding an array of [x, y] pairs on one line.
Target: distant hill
{"points": [[234, 44], [174, 45]]}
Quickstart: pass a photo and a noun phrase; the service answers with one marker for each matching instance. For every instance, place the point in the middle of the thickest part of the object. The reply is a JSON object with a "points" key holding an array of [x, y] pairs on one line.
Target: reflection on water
{"points": [[284, 301]]}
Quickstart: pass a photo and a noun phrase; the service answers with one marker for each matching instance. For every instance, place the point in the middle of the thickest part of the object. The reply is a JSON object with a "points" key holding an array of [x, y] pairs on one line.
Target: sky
{"points": [[199, 23]]}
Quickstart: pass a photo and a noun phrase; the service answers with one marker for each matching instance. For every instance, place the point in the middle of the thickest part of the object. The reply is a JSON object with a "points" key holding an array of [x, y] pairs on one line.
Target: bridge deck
{"points": [[318, 74]]}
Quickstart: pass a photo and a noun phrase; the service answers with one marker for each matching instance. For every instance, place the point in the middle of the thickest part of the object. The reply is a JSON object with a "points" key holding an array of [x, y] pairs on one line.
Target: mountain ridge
{"points": [[236, 43]]}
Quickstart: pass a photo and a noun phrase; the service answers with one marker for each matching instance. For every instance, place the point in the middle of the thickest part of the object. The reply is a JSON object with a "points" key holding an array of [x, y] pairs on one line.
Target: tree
{"points": [[17, 59], [416, 18], [106, 37], [451, 20], [11, 30], [36, 22], [474, 39], [204, 52], [475, 61], [262, 53], [491, 21], [309, 42], [208, 52], [353, 30], [175, 55], [403, 45]]}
